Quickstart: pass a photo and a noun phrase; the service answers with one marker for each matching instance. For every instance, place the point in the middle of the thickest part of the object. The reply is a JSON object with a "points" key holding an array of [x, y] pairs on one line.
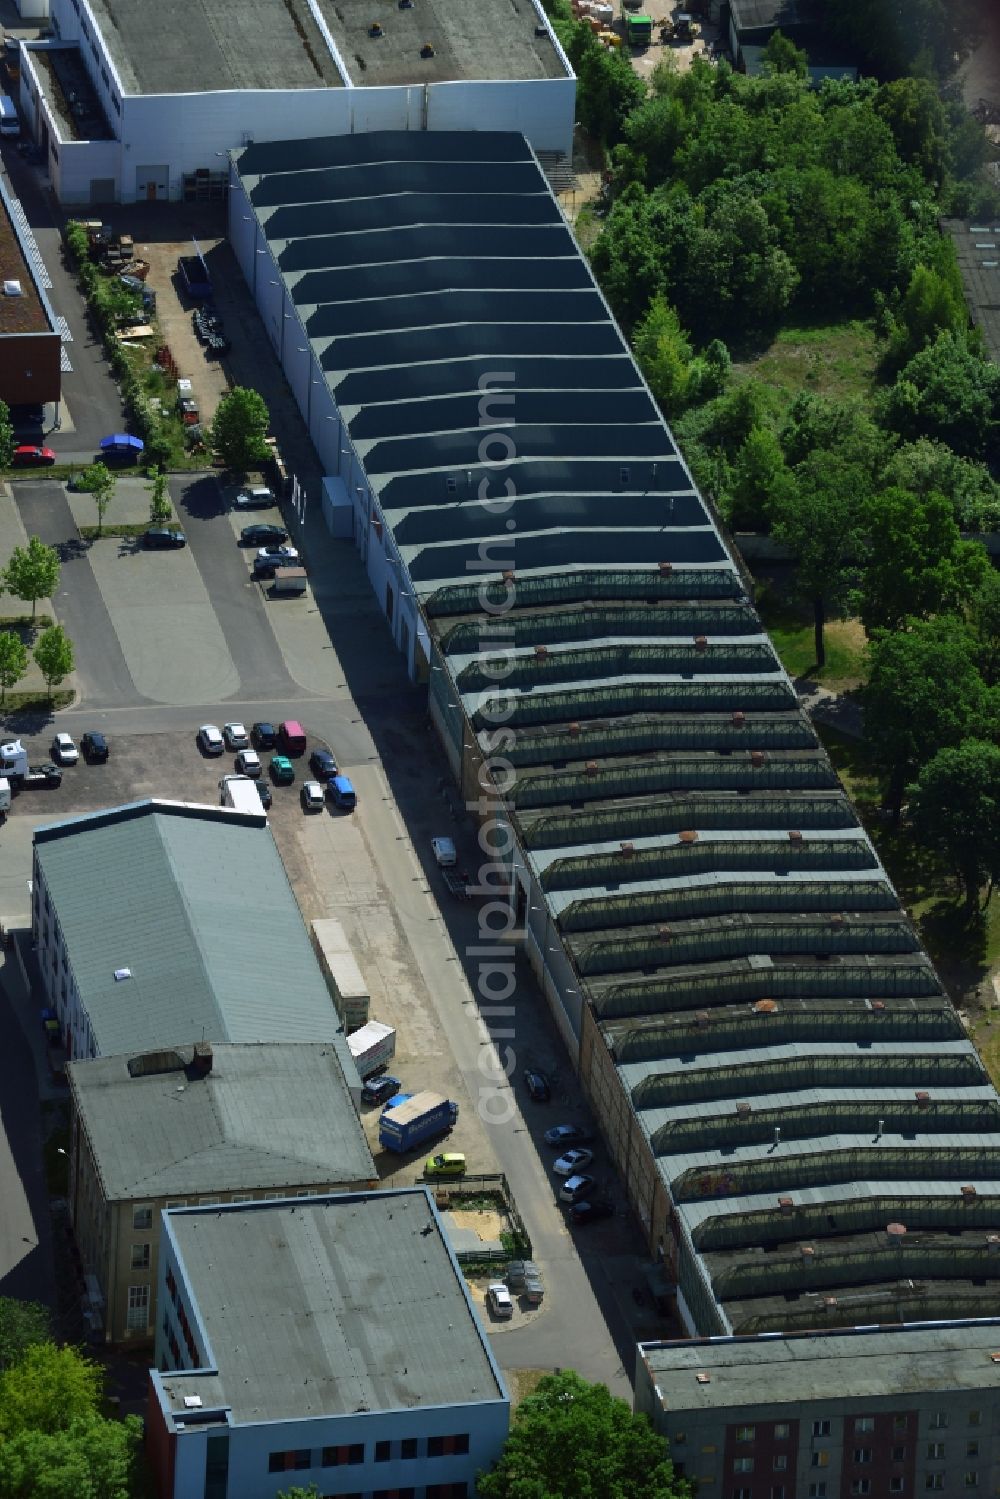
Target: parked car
{"points": [[576, 1188], [94, 746], [380, 1089], [248, 763], [163, 538], [567, 1134], [342, 793], [312, 796], [322, 764], [45, 774], [590, 1210], [279, 554], [521, 1271], [499, 1301], [572, 1162], [256, 497], [447, 1163], [236, 736], [29, 455], [291, 737], [263, 736], [211, 740], [262, 536], [64, 751], [264, 792], [537, 1084], [282, 770]]}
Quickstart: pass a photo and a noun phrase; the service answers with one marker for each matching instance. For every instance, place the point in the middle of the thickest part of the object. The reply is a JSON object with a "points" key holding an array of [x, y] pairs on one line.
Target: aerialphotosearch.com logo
{"points": [[491, 957]]}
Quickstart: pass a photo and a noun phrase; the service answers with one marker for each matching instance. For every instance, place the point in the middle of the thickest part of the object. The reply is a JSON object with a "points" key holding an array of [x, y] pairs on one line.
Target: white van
{"points": [[9, 122]]}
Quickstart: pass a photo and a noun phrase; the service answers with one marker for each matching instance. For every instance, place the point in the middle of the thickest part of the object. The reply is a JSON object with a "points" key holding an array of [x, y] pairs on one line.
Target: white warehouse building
{"points": [[142, 102]]}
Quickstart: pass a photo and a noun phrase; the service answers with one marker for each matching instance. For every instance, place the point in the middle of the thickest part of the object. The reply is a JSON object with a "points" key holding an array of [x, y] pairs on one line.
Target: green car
{"points": [[282, 770], [451, 1163]]}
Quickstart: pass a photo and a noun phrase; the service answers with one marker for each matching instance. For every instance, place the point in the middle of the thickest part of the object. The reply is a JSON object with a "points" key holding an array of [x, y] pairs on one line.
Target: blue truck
{"points": [[194, 277], [421, 1118]]}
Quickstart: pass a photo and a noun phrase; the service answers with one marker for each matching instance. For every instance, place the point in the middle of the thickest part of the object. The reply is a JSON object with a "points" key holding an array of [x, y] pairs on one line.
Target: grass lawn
{"points": [[791, 630], [830, 359]]}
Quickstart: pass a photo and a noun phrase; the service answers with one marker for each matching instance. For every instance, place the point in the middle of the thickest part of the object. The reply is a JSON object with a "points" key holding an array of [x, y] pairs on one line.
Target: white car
{"points": [[64, 751], [277, 554], [211, 740], [444, 852], [236, 736], [499, 1301], [257, 497], [248, 763], [573, 1161], [313, 796]]}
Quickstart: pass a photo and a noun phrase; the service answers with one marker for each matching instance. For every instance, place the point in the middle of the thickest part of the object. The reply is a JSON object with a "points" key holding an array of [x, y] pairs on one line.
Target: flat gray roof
{"points": [[862, 1363], [493, 39], [277, 1115], [977, 247], [700, 861], [340, 1304], [160, 889]]}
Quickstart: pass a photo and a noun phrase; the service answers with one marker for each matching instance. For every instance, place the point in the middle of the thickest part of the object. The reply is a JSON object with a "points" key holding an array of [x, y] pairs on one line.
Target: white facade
{"points": [[163, 137]]}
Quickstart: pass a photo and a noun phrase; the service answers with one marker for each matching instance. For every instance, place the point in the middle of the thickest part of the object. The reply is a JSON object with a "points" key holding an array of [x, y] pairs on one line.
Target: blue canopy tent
{"points": [[122, 442]]}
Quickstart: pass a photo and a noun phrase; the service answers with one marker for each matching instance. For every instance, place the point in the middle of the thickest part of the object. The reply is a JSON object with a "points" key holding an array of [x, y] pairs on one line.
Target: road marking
{"points": [[64, 330], [64, 363], [34, 254]]}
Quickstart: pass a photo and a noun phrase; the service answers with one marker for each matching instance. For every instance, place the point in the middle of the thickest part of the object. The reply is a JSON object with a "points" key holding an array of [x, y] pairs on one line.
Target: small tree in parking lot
{"points": [[99, 481], [32, 572], [238, 430], [54, 656], [6, 436], [160, 509], [13, 661]]}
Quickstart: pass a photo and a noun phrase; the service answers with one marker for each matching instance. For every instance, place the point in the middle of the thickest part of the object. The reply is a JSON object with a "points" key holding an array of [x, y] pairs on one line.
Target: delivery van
{"points": [[9, 122], [291, 738]]}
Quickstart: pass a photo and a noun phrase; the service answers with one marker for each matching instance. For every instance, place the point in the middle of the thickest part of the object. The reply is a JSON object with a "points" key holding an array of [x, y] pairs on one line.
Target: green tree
{"points": [[160, 509], [917, 564], [924, 466], [54, 656], [22, 1323], [47, 1389], [92, 1458], [32, 572], [608, 87], [238, 430], [948, 393], [933, 302], [912, 109], [924, 693], [6, 436], [13, 665], [99, 481], [955, 810], [783, 56], [820, 518], [664, 353], [576, 1440], [298, 1491], [760, 476], [984, 622]]}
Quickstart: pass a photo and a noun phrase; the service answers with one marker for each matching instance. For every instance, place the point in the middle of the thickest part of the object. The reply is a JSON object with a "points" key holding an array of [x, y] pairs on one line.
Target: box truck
{"points": [[344, 980], [372, 1047], [240, 793], [421, 1118]]}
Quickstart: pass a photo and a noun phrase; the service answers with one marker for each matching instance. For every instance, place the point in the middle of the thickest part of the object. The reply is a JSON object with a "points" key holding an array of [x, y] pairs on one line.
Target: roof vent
{"points": [[664, 933], [829, 1303], [794, 836], [508, 576], [666, 568], [688, 836], [739, 718], [923, 1100], [968, 1193], [591, 768], [878, 1005], [806, 1251], [743, 1109], [192, 1402], [201, 1062], [376, 29], [701, 642], [837, 918], [704, 1378], [701, 1018], [756, 758], [406, 4], [121, 974], [573, 730], [895, 1231], [539, 30], [785, 1204], [765, 1007], [13, 289], [995, 1358], [626, 849], [541, 651], [427, 50], [993, 1243]]}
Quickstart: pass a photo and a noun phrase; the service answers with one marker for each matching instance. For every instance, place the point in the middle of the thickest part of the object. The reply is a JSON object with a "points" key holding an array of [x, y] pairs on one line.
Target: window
{"points": [[778, 1491], [452, 1445], [975, 1417], [408, 1447], [780, 1464], [177, 1202], [935, 1451], [862, 1454], [782, 1431], [939, 1420], [817, 1491], [861, 1486], [624, 474], [742, 1493], [283, 1462], [408, 1493], [745, 1433], [896, 1485], [820, 1460], [383, 1452], [209, 1202], [821, 1428], [899, 1424], [934, 1481], [972, 1449], [140, 1256], [142, 1217], [864, 1423], [971, 1479], [138, 1308], [742, 1464], [446, 1491], [336, 1457], [898, 1454]]}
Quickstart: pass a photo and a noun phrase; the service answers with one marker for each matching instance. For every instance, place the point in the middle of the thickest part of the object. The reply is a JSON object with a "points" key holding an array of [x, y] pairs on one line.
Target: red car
{"points": [[28, 454]]}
